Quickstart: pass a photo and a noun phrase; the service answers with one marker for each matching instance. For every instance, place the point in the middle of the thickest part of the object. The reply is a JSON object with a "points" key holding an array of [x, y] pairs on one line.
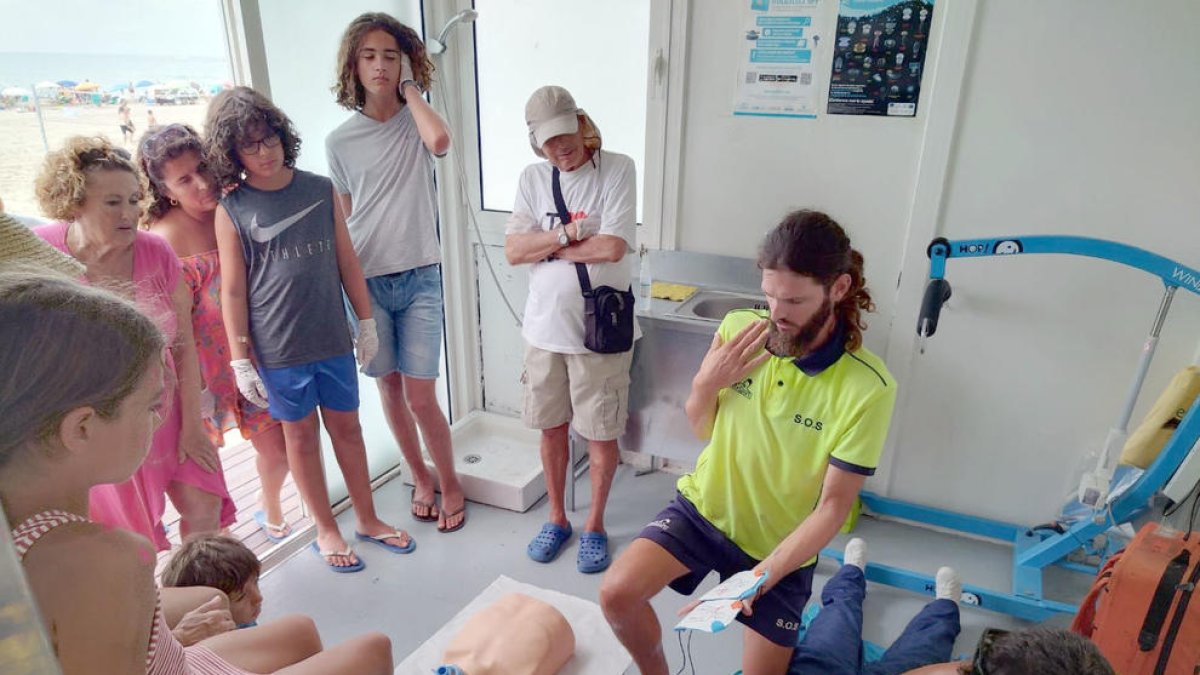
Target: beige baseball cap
{"points": [[550, 112]]}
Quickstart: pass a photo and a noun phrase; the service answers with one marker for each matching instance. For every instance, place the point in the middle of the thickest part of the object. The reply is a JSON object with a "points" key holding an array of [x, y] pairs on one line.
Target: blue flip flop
{"points": [[378, 540], [549, 542], [593, 553], [270, 528], [324, 555]]}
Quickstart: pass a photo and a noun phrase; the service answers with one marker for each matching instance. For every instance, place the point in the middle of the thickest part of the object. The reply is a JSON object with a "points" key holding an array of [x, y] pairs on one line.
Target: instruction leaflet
{"points": [[775, 67]]}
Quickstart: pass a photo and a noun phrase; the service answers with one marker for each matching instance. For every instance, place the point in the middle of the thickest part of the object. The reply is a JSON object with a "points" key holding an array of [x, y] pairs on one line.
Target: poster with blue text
{"points": [[879, 57], [775, 70]]}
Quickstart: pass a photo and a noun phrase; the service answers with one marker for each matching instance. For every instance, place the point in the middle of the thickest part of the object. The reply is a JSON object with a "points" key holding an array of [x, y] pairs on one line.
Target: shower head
{"points": [[437, 46]]}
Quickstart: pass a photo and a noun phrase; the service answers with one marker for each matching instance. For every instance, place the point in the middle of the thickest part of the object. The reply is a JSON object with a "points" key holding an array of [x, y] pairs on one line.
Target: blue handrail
{"points": [[1172, 273]]}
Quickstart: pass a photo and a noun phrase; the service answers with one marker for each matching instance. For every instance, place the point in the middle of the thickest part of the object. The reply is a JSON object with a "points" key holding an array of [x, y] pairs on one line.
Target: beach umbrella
{"points": [[15, 92], [87, 86], [46, 84], [67, 83], [143, 83]]}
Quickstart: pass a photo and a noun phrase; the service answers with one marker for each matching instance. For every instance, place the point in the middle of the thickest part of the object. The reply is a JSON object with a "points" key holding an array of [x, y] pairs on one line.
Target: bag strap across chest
{"points": [[564, 216]]}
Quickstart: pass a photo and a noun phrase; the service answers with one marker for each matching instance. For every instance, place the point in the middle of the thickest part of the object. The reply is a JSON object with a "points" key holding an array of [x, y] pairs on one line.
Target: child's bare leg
{"points": [[346, 434], [369, 654], [304, 458], [272, 464], [269, 646]]}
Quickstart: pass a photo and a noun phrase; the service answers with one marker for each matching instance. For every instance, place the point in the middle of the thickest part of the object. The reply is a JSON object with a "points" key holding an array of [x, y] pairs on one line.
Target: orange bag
{"points": [[1139, 611]]}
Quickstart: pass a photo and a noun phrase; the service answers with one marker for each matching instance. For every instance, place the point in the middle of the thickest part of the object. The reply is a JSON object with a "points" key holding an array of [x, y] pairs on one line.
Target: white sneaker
{"points": [[948, 585], [856, 553]]}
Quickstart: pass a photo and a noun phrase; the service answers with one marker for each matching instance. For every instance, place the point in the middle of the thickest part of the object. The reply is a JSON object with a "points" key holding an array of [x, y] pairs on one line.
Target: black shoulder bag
{"points": [[607, 312]]}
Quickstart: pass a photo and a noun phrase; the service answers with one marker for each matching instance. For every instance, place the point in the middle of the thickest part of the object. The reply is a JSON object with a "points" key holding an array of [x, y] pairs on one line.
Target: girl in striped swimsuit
{"points": [[81, 399]]}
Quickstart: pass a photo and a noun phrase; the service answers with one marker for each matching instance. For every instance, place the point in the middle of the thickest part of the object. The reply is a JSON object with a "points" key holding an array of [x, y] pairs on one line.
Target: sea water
{"points": [[23, 69]]}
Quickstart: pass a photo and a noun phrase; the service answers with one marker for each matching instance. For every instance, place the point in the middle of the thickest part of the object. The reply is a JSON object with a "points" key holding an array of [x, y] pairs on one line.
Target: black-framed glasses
{"points": [[983, 650], [255, 147]]}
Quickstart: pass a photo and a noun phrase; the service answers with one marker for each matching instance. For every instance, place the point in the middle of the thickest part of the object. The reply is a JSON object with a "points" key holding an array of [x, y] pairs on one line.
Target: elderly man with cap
{"points": [[565, 383]]}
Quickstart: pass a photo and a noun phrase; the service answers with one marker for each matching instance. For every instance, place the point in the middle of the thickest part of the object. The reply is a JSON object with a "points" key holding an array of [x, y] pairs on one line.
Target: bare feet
{"points": [[333, 542], [424, 508], [273, 522], [377, 527], [453, 510]]}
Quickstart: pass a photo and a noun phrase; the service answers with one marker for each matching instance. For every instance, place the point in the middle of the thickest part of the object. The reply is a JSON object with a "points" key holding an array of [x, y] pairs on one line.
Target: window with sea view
{"points": [[113, 69]]}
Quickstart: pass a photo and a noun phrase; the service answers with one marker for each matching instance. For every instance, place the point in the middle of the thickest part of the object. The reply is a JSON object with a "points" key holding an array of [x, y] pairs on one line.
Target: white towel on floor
{"points": [[597, 651]]}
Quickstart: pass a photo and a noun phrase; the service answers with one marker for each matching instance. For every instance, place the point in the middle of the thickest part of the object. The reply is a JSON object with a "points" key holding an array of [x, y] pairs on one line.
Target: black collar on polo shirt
{"points": [[814, 363]]}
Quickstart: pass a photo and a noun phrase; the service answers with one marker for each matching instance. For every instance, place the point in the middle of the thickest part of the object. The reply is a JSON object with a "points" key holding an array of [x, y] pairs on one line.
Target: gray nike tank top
{"points": [[293, 287]]}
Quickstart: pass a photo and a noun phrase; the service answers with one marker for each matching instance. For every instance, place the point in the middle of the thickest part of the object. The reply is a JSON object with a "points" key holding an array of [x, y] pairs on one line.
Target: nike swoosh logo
{"points": [[264, 233]]}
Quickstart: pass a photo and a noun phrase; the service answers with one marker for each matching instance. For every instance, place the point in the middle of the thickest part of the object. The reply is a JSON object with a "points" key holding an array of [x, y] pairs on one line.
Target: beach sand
{"points": [[22, 151]]}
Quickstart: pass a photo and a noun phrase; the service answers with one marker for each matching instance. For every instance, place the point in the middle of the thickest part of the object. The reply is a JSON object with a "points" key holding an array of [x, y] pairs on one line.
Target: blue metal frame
{"points": [[1172, 273], [1036, 549]]}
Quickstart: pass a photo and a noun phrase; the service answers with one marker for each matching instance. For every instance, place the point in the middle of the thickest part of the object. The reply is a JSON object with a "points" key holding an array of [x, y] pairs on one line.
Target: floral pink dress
{"points": [[202, 272], [138, 504]]}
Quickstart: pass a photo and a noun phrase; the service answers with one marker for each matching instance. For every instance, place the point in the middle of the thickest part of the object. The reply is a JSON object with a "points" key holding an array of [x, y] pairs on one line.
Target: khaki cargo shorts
{"points": [[591, 391]]}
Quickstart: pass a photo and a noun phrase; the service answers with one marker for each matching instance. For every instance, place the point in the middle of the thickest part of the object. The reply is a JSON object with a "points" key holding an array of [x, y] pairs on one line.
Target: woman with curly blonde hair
{"points": [[93, 187], [381, 163]]}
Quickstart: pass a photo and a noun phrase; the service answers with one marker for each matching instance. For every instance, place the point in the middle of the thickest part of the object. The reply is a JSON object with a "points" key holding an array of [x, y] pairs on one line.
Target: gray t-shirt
{"points": [[293, 286], [388, 173]]}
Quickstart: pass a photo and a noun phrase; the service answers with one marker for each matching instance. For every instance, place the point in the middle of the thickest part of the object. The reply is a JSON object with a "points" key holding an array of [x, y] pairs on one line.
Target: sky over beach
{"points": [[147, 27]]}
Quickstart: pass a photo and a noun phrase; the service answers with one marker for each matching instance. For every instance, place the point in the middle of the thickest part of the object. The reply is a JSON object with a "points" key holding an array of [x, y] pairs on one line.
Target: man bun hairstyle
{"points": [[812, 244]]}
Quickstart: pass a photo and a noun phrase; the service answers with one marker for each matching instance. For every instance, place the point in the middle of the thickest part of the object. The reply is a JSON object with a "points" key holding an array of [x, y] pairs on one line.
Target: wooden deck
{"points": [[241, 477]]}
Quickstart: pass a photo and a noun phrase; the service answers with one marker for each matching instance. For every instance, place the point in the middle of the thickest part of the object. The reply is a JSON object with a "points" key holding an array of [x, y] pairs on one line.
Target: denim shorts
{"points": [[295, 391], [407, 308], [702, 548]]}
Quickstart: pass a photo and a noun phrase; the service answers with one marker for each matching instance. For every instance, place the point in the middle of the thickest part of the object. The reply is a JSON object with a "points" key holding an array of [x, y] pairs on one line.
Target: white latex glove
{"points": [[406, 72], [248, 382], [367, 344], [586, 227]]}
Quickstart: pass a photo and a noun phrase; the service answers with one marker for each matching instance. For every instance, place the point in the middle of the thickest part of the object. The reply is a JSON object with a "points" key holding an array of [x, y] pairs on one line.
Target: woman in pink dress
{"points": [[183, 202], [85, 184]]}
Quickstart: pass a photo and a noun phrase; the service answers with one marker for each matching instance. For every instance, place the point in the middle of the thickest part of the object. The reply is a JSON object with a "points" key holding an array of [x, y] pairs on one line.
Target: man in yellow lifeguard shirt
{"points": [[794, 430]]}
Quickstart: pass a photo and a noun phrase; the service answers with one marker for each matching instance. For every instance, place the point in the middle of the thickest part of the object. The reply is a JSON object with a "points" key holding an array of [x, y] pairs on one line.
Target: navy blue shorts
{"points": [[703, 548]]}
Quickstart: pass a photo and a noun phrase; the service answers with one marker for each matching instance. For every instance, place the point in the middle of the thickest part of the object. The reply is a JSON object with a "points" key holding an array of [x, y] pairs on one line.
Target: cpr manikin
{"points": [[516, 635]]}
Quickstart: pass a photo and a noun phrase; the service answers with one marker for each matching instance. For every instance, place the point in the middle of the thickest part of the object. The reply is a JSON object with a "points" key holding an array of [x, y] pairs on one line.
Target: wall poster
{"points": [[775, 70], [879, 57]]}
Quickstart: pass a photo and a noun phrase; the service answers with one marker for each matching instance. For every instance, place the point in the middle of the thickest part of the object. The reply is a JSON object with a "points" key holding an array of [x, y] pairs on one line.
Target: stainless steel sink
{"points": [[711, 305]]}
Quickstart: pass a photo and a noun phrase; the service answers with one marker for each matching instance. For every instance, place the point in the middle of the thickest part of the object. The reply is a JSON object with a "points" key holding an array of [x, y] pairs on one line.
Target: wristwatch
{"points": [[563, 239]]}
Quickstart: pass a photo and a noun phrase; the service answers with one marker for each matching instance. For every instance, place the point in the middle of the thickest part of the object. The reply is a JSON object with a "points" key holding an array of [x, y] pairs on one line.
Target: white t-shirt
{"points": [[605, 187], [388, 173]]}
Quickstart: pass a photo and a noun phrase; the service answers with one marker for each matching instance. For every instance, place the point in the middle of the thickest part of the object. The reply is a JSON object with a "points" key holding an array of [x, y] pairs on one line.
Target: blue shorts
{"points": [[702, 548], [295, 391], [408, 309]]}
